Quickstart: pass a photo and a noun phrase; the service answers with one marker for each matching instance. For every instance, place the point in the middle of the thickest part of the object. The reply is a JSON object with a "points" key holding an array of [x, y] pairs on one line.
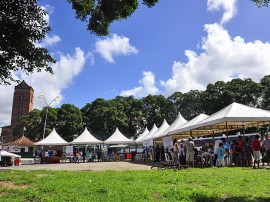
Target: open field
{"points": [[193, 184]]}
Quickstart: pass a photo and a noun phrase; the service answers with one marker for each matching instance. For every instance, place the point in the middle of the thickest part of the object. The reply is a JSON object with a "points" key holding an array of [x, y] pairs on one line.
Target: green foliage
{"points": [[261, 3], [22, 25], [101, 13], [209, 184], [69, 121]]}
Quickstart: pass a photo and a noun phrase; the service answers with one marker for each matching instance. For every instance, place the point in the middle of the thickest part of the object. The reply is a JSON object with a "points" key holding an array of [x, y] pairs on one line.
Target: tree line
{"points": [[132, 115]]}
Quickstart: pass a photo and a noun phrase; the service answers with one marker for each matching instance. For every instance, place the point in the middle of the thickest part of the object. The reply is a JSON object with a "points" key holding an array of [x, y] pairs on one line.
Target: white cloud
{"points": [[114, 46], [67, 67], [50, 40], [147, 87], [229, 7], [222, 58]]}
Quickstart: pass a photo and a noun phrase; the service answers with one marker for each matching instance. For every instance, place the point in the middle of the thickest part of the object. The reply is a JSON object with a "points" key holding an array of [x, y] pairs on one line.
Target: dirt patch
{"points": [[2, 194], [10, 185], [43, 175]]}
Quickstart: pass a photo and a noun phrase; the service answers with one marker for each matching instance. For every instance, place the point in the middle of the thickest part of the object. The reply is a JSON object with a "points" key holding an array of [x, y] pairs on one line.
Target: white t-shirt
{"points": [[217, 142]]}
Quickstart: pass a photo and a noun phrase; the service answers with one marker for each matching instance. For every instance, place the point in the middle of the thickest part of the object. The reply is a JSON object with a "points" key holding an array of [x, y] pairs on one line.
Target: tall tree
{"points": [[22, 25], [69, 121]]}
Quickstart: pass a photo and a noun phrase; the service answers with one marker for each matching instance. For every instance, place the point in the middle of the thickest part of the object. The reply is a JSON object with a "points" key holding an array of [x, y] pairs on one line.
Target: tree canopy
{"points": [[22, 25]]}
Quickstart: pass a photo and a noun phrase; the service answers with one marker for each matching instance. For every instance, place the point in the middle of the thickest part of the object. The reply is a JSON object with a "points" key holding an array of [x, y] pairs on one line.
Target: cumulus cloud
{"points": [[113, 46], [222, 58], [147, 87], [67, 67], [229, 7]]}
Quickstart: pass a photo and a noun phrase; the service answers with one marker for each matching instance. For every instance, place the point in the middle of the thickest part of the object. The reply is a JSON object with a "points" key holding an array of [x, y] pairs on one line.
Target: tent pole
{"points": [[244, 130], [227, 133]]}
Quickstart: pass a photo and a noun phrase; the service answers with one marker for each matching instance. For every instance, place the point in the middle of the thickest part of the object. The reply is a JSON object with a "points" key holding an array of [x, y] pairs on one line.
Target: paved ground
{"points": [[92, 166]]}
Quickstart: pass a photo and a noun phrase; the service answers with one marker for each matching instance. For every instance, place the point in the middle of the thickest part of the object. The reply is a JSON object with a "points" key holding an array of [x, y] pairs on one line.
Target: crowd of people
{"points": [[241, 152]]}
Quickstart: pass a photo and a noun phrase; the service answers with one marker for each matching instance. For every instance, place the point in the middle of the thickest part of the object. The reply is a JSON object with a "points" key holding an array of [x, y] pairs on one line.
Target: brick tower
{"points": [[23, 100]]}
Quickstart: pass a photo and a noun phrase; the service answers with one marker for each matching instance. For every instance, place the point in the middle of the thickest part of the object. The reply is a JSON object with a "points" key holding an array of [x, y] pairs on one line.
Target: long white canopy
{"points": [[117, 138], [235, 116], [142, 135], [86, 138], [184, 130], [5, 153], [161, 129], [52, 139], [179, 121]]}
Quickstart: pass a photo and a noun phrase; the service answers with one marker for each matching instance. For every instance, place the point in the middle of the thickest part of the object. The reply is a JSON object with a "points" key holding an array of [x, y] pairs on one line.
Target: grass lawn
{"points": [[193, 184]]}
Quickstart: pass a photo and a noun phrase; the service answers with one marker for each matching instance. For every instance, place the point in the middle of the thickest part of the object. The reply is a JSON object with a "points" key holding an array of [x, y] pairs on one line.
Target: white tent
{"points": [[142, 135], [86, 138], [117, 138], [153, 130], [5, 153], [52, 139], [233, 117], [179, 121], [184, 130], [160, 130]]}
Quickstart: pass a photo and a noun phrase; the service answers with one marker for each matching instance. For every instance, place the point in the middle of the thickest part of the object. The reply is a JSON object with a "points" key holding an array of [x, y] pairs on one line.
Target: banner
{"points": [[147, 143], [167, 142]]}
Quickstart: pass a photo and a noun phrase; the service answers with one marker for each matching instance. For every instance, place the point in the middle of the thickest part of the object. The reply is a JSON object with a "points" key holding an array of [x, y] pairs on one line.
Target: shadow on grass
{"points": [[204, 198]]}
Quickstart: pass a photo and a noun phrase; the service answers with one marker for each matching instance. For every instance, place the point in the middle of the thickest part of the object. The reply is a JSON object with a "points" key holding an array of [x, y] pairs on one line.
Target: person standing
{"points": [[175, 151], [190, 151], [266, 146], [256, 147], [216, 146], [220, 152]]}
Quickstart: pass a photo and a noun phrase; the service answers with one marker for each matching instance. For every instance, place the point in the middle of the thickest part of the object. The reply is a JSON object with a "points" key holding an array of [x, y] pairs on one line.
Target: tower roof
{"points": [[23, 85]]}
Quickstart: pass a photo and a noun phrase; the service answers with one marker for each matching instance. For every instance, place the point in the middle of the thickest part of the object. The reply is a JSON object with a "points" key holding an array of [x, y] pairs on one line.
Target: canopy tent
{"points": [[153, 130], [5, 153], [184, 130], [142, 135], [161, 129], [117, 138], [233, 117], [86, 138], [52, 139], [179, 121]]}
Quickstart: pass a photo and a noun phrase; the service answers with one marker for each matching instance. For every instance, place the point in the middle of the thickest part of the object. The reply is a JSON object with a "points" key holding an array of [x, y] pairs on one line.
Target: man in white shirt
{"points": [[190, 151]]}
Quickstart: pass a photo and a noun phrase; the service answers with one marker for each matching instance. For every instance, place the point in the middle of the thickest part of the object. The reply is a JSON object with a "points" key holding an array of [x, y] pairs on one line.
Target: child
{"points": [[220, 153]]}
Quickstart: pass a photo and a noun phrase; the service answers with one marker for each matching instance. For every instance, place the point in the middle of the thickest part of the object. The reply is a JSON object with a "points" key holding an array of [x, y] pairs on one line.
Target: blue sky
{"points": [[174, 46]]}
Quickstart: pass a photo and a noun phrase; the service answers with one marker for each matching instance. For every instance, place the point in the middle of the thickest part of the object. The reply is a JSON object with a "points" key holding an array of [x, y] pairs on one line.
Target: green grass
{"points": [[194, 184]]}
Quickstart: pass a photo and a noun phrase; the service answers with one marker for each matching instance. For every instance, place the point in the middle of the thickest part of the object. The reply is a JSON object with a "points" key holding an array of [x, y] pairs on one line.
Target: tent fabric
{"points": [[52, 139], [86, 138], [22, 141], [232, 117], [160, 130], [179, 121], [184, 130], [117, 138], [5, 153], [153, 130], [142, 135]]}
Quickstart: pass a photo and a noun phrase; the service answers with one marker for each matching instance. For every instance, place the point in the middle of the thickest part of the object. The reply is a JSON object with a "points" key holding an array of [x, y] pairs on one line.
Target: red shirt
{"points": [[256, 145]]}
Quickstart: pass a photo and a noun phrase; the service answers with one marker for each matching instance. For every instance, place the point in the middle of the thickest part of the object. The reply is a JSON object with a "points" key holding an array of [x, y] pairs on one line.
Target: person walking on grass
{"points": [[266, 146], [190, 152], [220, 153], [256, 147]]}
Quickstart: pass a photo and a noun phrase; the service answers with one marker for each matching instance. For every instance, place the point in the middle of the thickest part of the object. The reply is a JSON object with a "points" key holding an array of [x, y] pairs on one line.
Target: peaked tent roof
{"points": [[22, 141], [52, 139], [161, 129], [117, 138], [233, 117], [86, 138], [184, 130], [179, 121], [142, 135], [153, 130]]}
